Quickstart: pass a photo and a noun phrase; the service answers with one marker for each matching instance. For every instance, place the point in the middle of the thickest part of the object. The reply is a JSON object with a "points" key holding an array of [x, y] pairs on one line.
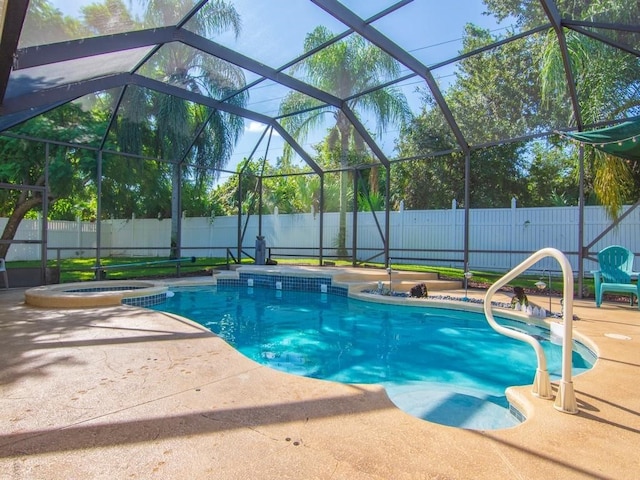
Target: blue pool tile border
{"points": [[138, 301], [145, 301], [105, 289], [286, 282]]}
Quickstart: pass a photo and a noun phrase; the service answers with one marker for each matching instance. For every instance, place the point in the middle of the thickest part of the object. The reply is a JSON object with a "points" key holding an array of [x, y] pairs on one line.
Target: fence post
{"points": [[513, 230], [453, 236], [79, 232], [401, 236], [38, 233]]}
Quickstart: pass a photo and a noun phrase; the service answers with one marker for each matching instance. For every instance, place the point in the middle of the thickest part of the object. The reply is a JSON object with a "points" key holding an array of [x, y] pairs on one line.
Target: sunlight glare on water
{"points": [[441, 365]]}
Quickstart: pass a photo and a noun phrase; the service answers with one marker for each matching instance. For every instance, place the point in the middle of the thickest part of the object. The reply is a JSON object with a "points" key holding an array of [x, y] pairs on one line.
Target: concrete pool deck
{"points": [[123, 392]]}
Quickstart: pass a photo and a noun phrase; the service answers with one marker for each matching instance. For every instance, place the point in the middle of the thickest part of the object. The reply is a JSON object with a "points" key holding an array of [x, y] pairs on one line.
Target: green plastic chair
{"points": [[615, 273]]}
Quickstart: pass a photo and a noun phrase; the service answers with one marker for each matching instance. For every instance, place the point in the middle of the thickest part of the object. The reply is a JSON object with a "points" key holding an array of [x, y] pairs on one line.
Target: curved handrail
{"points": [[565, 400]]}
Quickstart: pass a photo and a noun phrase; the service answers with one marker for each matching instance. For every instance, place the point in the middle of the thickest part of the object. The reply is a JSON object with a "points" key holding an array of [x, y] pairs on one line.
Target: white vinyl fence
{"points": [[499, 238]]}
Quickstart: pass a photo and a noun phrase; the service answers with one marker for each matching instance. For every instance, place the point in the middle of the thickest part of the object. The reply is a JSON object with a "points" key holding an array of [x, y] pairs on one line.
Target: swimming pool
{"points": [[445, 366]]}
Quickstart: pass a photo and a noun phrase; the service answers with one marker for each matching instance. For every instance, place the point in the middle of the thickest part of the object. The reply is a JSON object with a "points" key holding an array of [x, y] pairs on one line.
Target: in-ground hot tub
{"points": [[97, 294]]}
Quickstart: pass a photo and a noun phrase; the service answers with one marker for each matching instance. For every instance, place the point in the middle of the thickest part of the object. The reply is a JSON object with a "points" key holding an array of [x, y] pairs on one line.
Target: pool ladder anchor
{"points": [[565, 399]]}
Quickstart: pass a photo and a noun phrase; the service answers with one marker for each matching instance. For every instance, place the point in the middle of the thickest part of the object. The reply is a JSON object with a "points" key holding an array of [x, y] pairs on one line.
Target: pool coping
{"points": [[161, 395], [355, 287], [148, 293]]}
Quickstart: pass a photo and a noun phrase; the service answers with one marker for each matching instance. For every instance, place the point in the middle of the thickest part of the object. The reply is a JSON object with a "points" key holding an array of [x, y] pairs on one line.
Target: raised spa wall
{"points": [[96, 294]]}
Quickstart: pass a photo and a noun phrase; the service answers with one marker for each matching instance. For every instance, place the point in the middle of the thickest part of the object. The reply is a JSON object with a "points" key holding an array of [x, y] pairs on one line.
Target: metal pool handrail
{"points": [[565, 399]]}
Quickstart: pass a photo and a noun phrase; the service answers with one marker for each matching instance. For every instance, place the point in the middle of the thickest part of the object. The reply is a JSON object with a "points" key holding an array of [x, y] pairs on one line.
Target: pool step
{"points": [[432, 285], [362, 275], [401, 281], [356, 278], [454, 405]]}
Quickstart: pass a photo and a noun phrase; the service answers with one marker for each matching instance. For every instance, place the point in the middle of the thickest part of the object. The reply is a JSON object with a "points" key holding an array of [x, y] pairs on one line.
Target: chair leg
{"points": [[597, 288], [6, 279]]}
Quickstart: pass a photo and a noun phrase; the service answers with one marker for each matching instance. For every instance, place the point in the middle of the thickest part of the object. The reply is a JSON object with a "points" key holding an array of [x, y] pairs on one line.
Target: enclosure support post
{"points": [[467, 200], [178, 247], [321, 208], [239, 255], [581, 222], [387, 216], [99, 216], [354, 227], [260, 206], [45, 215]]}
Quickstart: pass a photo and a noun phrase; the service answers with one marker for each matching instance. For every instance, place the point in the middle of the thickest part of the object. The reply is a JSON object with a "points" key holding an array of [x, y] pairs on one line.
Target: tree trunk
{"points": [[176, 178], [342, 227], [24, 205], [373, 180], [343, 128]]}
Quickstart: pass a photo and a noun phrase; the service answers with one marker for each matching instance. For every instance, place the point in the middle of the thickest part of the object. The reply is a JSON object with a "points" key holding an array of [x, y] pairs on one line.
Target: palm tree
{"points": [[177, 121], [345, 69], [607, 81]]}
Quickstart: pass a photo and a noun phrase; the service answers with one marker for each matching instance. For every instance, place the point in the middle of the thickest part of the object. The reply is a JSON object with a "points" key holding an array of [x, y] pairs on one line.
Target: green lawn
{"points": [[124, 268], [480, 279]]}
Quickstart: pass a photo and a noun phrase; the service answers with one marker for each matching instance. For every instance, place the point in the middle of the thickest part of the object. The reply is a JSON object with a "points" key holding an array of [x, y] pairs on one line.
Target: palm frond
{"points": [[300, 125], [612, 182]]}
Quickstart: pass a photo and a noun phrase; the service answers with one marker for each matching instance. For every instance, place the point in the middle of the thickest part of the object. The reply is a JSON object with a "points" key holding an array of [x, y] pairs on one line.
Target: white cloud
{"points": [[257, 127]]}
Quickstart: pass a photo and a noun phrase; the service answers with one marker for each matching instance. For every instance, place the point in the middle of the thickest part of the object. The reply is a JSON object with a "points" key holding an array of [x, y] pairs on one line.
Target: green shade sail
{"points": [[621, 140]]}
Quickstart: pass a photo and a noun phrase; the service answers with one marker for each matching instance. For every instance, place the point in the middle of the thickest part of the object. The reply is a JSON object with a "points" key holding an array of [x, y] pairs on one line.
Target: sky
{"points": [[428, 29]]}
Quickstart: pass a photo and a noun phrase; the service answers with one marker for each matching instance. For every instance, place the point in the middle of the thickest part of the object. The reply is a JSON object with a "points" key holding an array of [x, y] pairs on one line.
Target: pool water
{"points": [[441, 365]]}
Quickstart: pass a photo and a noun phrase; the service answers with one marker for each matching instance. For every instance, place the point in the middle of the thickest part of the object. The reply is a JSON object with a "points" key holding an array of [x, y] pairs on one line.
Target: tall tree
{"points": [[108, 18], [23, 163], [345, 69], [177, 122], [607, 86], [606, 81], [194, 138], [493, 97], [46, 24]]}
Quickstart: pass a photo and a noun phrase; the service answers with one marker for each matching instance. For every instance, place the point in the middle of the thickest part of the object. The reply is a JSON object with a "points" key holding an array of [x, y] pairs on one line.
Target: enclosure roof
{"points": [[251, 63]]}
